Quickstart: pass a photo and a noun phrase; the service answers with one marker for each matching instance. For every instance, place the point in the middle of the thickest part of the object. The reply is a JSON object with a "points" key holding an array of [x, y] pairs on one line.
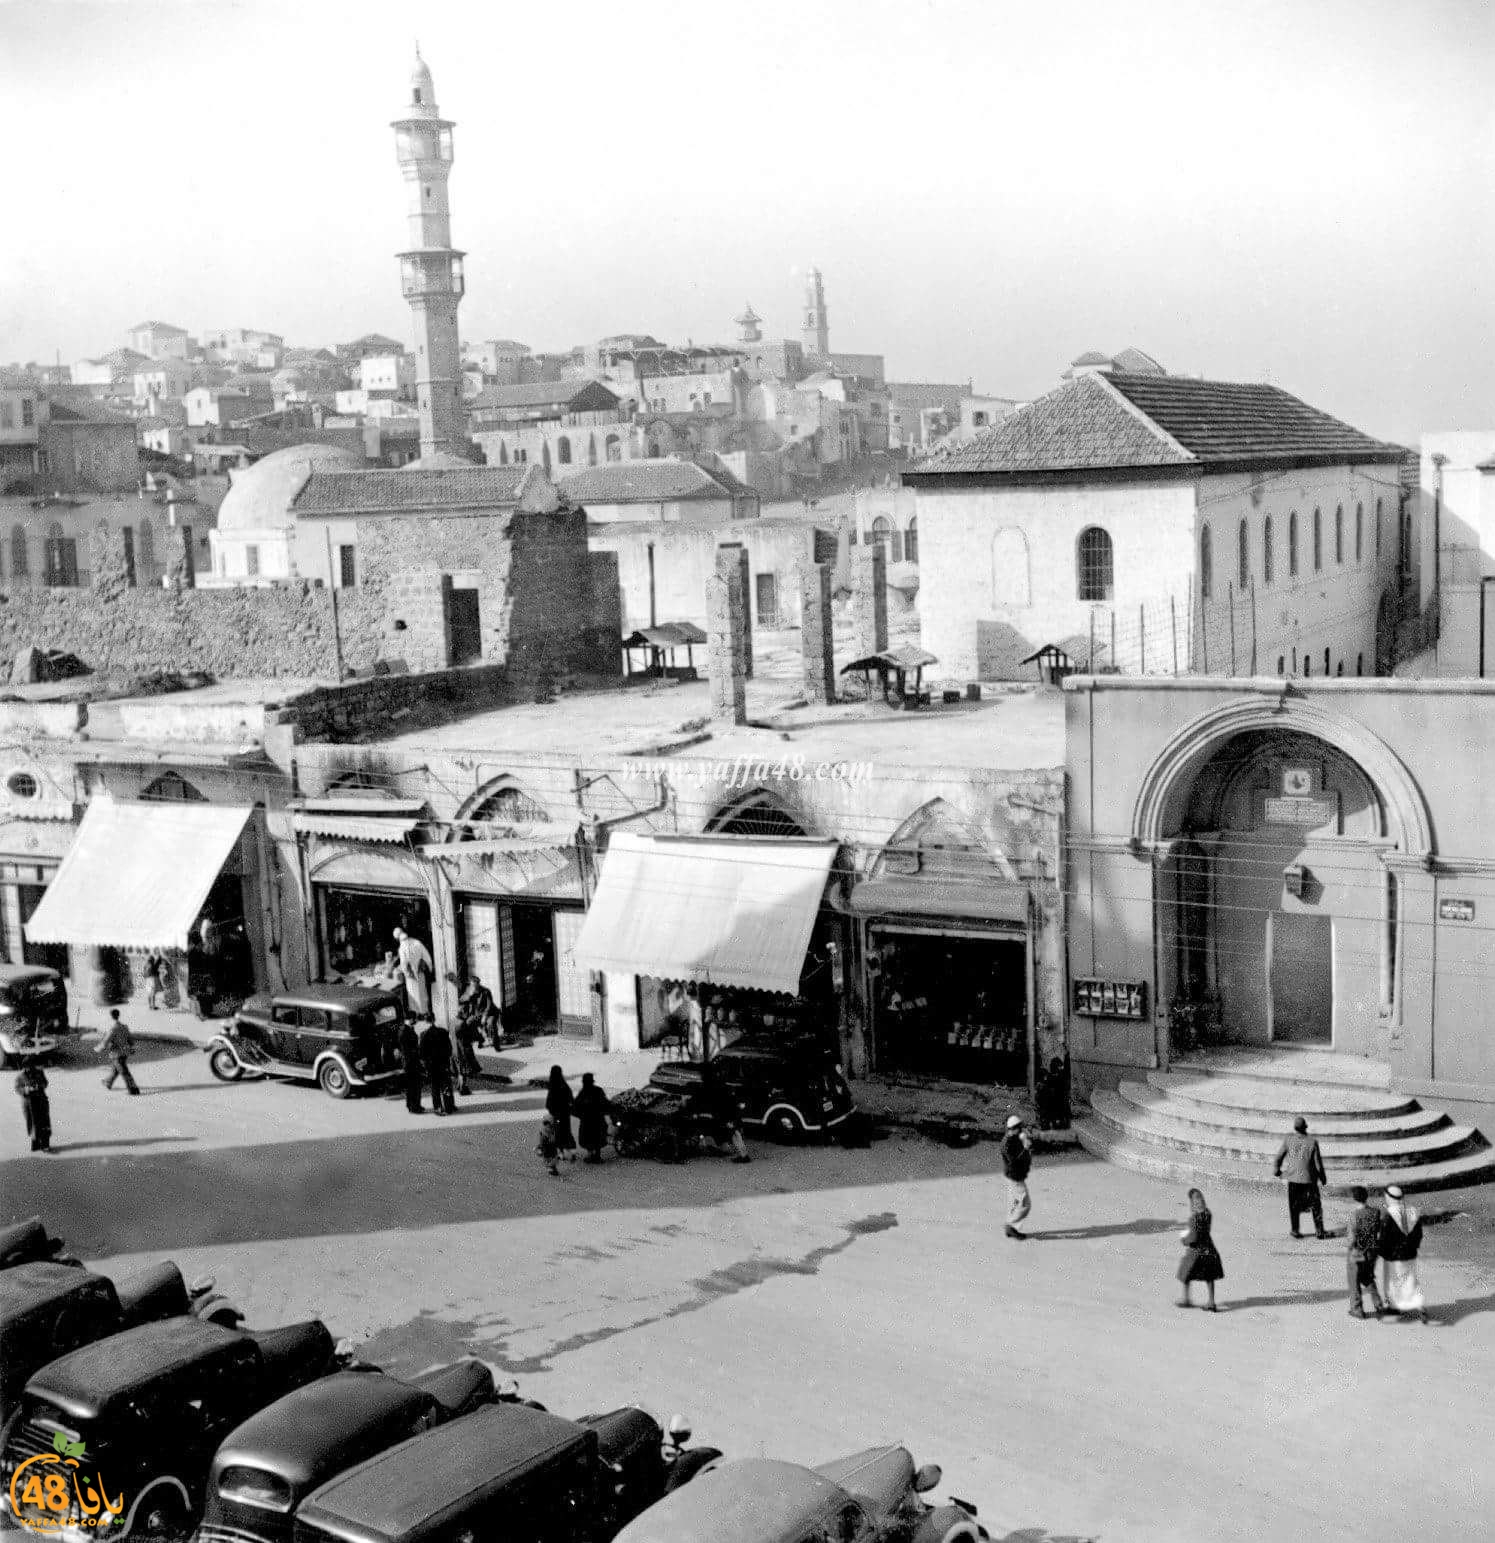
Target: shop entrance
{"points": [[1302, 967], [523, 955], [357, 927], [951, 1004]]}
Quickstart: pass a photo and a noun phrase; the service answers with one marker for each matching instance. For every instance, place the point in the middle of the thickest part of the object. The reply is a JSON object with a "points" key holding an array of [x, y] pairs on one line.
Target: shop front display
{"points": [[525, 955]]}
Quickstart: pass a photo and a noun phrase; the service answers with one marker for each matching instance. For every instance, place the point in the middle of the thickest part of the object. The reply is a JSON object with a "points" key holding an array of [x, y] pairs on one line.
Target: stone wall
{"points": [[232, 634]]}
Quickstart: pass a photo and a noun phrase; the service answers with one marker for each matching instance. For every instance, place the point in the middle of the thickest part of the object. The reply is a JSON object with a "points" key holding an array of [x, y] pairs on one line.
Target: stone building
{"points": [[1165, 526], [1453, 529]]}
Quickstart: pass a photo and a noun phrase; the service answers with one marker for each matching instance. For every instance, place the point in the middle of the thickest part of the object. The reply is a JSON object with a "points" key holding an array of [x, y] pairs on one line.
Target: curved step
{"points": [[1110, 1145], [1279, 1063], [1281, 1098], [1143, 1096], [1158, 1127]]}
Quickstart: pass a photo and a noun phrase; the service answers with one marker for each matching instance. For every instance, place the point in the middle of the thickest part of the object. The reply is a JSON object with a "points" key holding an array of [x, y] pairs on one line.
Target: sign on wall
{"points": [[1454, 910], [1111, 998]]}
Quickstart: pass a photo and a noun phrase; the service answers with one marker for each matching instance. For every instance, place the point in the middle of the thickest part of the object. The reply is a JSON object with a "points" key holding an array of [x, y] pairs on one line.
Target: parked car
{"points": [[870, 1497], [148, 1409], [786, 1094], [33, 1012], [29, 1242], [340, 1037], [276, 1458], [506, 1471]]}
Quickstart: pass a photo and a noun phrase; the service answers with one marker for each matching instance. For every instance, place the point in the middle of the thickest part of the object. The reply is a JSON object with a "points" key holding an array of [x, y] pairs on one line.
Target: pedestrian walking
{"points": [[31, 1085], [1364, 1249], [436, 1057], [155, 972], [119, 1045], [591, 1108], [558, 1104], [413, 1074], [1017, 1161], [1401, 1242], [1301, 1161], [1201, 1259], [548, 1147]]}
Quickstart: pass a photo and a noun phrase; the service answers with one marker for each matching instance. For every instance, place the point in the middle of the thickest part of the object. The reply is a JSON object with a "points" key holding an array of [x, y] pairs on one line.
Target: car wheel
{"points": [[333, 1080], [224, 1065], [163, 1520], [785, 1127]]}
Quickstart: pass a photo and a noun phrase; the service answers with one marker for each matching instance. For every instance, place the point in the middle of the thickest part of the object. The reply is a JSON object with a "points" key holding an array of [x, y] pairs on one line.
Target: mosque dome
{"points": [[259, 498]]}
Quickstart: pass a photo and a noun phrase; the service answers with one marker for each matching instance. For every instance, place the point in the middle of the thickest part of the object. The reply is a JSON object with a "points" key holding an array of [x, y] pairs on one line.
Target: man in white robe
{"points": [[1401, 1241], [418, 968]]}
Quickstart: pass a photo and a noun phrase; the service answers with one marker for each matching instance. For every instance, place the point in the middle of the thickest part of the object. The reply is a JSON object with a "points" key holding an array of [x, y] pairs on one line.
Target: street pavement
{"points": [[815, 1301]]}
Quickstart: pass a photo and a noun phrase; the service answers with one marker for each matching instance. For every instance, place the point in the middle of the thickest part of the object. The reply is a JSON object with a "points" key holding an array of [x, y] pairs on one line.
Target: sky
{"points": [[1298, 192]]}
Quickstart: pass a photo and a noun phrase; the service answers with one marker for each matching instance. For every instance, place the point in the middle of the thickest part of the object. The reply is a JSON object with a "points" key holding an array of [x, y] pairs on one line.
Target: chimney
{"points": [[817, 634], [872, 600]]}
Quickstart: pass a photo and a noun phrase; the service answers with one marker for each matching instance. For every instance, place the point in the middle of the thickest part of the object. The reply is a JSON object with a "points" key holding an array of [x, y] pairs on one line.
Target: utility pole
{"points": [[337, 631]]}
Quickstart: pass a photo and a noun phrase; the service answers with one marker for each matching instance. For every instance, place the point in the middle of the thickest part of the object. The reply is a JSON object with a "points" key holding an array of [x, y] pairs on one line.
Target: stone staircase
{"points": [[1222, 1117]]}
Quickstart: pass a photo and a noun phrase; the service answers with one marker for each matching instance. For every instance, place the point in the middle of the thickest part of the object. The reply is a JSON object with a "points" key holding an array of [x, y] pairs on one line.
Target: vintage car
{"points": [[29, 1242], [46, 1310], [786, 1094], [507, 1471], [147, 1409], [33, 1012], [340, 1037], [276, 1458], [870, 1497]]}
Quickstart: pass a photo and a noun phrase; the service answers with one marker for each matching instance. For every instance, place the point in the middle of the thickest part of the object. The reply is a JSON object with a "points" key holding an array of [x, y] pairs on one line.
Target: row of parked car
{"points": [[122, 1406]]}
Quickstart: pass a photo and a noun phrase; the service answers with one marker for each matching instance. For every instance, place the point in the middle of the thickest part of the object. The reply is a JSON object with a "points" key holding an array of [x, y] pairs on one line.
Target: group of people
{"points": [[1391, 1235], [588, 1105]]}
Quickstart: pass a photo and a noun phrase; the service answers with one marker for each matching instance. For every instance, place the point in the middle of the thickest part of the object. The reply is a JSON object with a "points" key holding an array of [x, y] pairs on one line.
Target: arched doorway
{"points": [[1277, 832]]}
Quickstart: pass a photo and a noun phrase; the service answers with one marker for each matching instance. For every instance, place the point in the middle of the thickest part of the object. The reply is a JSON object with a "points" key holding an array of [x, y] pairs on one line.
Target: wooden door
{"points": [[573, 983], [481, 946], [1302, 965]]}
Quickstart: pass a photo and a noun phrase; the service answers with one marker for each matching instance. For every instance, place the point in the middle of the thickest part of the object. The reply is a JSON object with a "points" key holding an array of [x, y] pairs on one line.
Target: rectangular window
{"points": [[252, 562], [1318, 541], [347, 575], [28, 412]]}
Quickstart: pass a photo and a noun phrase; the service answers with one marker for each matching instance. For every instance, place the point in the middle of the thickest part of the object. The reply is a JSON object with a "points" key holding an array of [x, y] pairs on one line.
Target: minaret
{"points": [[431, 271], [749, 330], [816, 332]]}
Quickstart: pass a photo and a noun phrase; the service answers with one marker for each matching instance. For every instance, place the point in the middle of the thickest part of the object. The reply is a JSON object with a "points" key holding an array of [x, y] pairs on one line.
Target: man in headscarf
{"points": [[417, 966], [1401, 1242]]}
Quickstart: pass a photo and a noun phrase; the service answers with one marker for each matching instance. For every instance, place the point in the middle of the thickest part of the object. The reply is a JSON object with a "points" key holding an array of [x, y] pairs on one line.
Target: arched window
{"points": [[1095, 565], [1378, 530], [1206, 563], [1292, 545], [613, 448], [563, 451], [145, 547], [911, 540], [171, 788], [1359, 532], [507, 808], [20, 565], [591, 449], [1243, 558], [759, 814], [1318, 542], [887, 535], [1280, 663], [1266, 552], [503, 452], [1339, 534]]}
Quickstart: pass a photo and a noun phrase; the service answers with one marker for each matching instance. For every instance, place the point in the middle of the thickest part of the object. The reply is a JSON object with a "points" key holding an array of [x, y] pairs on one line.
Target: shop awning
{"points": [[136, 875], [353, 827], [1000, 900], [726, 909]]}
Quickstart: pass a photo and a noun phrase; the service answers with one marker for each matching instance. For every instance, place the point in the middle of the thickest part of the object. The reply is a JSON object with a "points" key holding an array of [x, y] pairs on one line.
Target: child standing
{"points": [[548, 1147]]}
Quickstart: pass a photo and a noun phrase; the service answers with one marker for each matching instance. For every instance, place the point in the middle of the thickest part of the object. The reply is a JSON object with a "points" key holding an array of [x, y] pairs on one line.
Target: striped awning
{"points": [[353, 827]]}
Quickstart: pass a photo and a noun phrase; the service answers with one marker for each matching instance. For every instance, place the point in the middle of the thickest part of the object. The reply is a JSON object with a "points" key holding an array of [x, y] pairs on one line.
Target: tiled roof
{"points": [[642, 482], [1116, 422], [409, 492], [541, 393], [80, 410], [1218, 420]]}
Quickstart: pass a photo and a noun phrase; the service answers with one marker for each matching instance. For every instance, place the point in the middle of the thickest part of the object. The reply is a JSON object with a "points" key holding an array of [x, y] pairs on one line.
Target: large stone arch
{"points": [[1169, 782]]}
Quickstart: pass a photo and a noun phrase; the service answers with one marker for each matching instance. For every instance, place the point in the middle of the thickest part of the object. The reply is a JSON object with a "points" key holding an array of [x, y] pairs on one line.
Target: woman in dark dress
{"points": [[1201, 1259], [591, 1118], [558, 1101]]}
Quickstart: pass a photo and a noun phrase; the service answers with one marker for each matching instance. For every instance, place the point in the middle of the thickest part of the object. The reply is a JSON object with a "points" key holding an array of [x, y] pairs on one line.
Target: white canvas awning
{"points": [[136, 875], [728, 909]]}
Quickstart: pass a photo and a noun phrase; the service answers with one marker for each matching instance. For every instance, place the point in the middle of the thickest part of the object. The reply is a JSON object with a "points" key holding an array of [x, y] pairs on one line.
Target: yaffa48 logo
{"points": [[51, 1491]]}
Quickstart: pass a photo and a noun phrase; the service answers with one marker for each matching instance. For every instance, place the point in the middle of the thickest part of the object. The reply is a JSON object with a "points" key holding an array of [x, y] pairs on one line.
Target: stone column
{"points": [[181, 560], [723, 653], [872, 600], [817, 657], [732, 564]]}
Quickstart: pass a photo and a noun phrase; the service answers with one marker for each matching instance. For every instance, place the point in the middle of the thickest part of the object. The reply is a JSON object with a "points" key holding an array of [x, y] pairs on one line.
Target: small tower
{"points": [[816, 331], [750, 331], [431, 270]]}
